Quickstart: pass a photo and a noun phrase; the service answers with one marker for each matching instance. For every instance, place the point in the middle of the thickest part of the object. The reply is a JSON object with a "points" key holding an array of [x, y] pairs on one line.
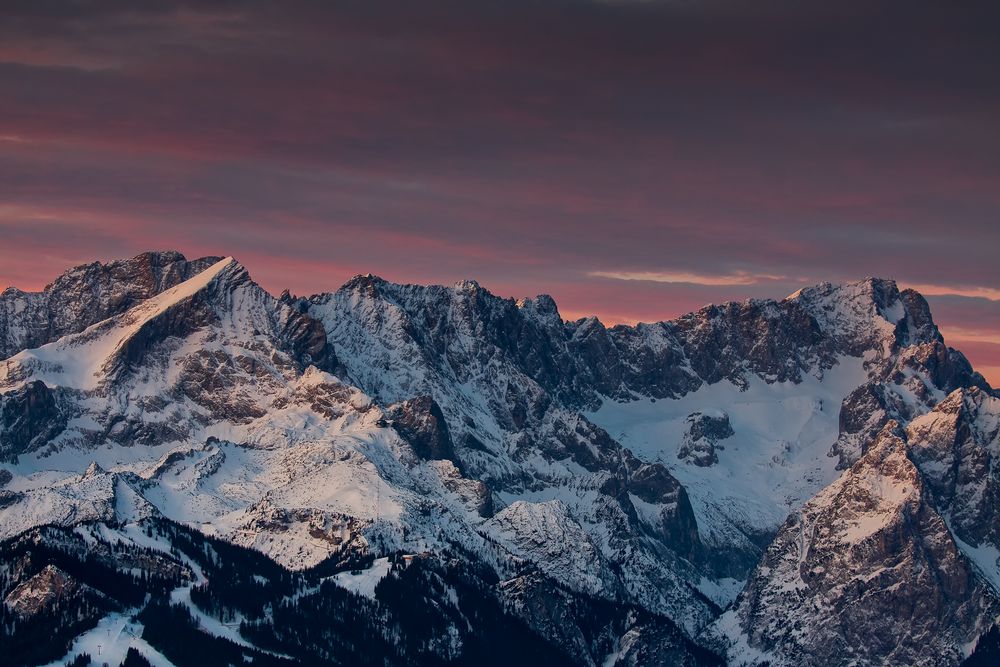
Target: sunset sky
{"points": [[633, 159]]}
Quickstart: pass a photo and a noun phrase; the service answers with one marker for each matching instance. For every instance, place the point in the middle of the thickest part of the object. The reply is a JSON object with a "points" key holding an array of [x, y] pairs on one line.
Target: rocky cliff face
{"points": [[956, 446], [29, 418], [496, 370], [645, 468], [704, 431], [86, 295], [895, 562], [44, 591]]}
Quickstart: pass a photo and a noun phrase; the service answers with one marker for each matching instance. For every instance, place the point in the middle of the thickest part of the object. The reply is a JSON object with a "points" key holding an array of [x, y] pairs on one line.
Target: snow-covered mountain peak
{"points": [[812, 446], [543, 309], [88, 294], [914, 519], [870, 314], [103, 350], [368, 282], [868, 545]]}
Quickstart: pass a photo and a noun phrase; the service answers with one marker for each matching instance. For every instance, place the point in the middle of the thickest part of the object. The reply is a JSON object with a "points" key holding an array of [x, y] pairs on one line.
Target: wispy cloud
{"points": [[737, 278], [976, 291], [960, 336], [415, 141]]}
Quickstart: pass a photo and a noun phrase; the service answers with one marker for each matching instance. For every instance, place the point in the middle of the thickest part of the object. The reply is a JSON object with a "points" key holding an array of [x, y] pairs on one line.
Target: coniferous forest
{"points": [[428, 610]]}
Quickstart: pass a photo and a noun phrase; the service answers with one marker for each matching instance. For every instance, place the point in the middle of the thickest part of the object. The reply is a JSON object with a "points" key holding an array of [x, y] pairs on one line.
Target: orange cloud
{"points": [[979, 291], [737, 278]]}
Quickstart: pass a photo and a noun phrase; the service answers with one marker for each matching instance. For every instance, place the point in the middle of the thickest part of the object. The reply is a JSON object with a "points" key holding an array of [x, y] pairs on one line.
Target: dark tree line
{"points": [[433, 610], [98, 586]]}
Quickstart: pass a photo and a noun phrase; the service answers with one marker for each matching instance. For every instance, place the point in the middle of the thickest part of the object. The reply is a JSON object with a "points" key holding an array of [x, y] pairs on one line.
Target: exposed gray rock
{"points": [[45, 591], [908, 384], [869, 571], [956, 448], [29, 417], [700, 441], [422, 424], [86, 295]]}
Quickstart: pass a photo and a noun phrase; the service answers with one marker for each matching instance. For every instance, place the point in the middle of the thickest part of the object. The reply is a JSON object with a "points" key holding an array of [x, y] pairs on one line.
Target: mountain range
{"points": [[192, 470]]}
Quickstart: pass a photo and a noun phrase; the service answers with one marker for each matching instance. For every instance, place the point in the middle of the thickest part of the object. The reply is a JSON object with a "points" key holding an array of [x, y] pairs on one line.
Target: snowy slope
{"points": [[80, 361], [214, 422], [195, 406], [803, 400], [469, 351], [777, 457], [88, 294]]}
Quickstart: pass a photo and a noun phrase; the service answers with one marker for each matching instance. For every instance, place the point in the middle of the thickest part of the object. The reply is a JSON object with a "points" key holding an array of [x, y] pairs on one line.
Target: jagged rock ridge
{"points": [[385, 418], [896, 562]]}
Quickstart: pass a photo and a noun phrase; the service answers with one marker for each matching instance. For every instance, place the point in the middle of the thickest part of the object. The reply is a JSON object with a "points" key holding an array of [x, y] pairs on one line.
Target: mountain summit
{"points": [[415, 474]]}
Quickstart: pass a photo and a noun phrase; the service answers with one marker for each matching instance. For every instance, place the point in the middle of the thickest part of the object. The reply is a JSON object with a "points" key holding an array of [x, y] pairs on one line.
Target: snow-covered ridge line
{"points": [[76, 360], [88, 294], [850, 308], [647, 465]]}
